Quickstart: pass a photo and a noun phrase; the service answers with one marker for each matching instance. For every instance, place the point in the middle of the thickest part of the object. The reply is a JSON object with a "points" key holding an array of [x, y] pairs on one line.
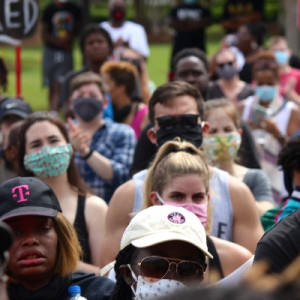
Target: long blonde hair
{"points": [[176, 158]]}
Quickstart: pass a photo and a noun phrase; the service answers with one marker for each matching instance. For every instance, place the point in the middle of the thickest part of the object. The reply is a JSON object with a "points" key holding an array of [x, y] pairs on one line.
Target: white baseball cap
{"points": [[163, 223]]}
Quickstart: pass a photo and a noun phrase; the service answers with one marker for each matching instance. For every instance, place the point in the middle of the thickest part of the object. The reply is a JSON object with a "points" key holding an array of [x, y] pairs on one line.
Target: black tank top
{"points": [[81, 230], [214, 263]]}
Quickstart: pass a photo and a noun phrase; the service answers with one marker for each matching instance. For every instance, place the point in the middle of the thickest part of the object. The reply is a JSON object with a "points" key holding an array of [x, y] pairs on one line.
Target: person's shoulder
{"points": [[92, 286], [119, 128], [133, 25], [295, 72], [105, 24], [255, 172]]}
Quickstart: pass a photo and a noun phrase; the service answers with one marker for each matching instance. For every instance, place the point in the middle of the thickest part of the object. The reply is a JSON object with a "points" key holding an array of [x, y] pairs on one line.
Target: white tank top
{"points": [[222, 218]]}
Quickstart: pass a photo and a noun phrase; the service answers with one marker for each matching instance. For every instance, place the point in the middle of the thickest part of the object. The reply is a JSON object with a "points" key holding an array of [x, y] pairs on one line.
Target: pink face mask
{"points": [[200, 210]]}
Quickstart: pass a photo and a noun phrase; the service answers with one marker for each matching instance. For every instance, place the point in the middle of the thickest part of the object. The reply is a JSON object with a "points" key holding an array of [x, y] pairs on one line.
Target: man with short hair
{"points": [[234, 216], [104, 149]]}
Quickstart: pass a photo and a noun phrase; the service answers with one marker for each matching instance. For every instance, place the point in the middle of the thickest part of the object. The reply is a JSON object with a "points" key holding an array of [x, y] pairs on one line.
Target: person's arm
{"points": [[231, 255], [117, 218], [247, 229], [294, 123], [95, 214]]}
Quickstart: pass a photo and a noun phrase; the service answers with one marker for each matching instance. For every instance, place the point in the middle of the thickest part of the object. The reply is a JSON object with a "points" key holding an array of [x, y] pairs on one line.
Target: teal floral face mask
{"points": [[49, 161], [221, 147]]}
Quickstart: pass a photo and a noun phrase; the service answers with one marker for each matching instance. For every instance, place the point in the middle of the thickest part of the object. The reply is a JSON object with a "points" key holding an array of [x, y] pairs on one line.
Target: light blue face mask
{"points": [[49, 161], [282, 57], [266, 93]]}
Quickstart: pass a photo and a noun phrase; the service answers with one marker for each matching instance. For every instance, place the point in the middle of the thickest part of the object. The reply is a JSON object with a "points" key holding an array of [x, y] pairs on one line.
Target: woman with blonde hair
{"points": [[179, 176]]}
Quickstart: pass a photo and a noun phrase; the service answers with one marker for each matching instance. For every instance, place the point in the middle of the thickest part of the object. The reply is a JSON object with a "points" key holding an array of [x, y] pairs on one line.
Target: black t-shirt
{"points": [[281, 244], [61, 20], [189, 39], [92, 287]]}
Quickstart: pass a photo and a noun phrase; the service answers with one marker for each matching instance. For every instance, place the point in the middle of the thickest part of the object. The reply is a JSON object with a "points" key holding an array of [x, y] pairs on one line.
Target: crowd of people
{"points": [[132, 191]]}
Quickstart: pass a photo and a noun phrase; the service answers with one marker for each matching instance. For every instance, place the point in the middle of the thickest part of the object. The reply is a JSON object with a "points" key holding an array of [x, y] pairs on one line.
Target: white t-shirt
{"points": [[132, 33]]}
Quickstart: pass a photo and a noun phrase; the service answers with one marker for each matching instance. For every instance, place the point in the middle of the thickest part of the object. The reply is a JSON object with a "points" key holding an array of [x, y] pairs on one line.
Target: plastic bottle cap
{"points": [[74, 289]]}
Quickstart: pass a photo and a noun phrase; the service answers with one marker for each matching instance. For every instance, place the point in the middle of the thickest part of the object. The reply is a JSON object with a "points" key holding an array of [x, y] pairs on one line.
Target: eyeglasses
{"points": [[157, 267], [230, 63], [186, 121]]}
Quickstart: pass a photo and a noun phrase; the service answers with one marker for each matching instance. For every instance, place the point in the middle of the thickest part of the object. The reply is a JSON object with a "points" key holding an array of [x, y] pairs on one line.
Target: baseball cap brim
{"points": [[30, 211], [161, 237], [14, 112]]}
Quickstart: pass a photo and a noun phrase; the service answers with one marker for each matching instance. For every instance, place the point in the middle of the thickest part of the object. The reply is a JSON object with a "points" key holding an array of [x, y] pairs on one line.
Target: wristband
{"points": [[88, 155]]}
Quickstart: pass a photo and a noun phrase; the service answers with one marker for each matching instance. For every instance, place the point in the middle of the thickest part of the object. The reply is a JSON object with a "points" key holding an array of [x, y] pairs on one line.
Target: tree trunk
{"points": [[85, 6], [290, 24], [141, 13]]}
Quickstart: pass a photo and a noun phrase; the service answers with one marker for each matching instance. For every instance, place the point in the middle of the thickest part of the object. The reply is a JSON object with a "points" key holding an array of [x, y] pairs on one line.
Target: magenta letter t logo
{"points": [[18, 191]]}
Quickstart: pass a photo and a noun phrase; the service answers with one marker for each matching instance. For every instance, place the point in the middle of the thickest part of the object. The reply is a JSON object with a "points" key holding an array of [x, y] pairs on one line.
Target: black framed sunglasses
{"points": [[230, 63], [186, 121], [157, 267]]}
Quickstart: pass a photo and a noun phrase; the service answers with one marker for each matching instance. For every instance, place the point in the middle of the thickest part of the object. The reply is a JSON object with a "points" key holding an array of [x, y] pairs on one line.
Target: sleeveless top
{"points": [[81, 229], [214, 263], [268, 146], [222, 218]]}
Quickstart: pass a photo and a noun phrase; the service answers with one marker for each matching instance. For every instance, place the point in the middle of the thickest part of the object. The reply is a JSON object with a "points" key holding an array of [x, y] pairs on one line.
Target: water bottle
{"points": [[74, 292]]}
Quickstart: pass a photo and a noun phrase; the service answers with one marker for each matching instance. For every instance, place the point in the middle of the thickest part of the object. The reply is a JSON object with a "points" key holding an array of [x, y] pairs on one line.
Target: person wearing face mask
{"points": [[289, 77], [185, 183], [221, 146], [229, 84], [176, 111], [46, 153], [104, 149], [273, 119], [122, 81], [188, 19], [163, 250], [123, 32]]}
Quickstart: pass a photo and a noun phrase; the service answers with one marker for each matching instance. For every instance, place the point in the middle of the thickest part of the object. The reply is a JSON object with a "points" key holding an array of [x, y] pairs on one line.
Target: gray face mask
{"points": [[87, 108], [227, 72]]}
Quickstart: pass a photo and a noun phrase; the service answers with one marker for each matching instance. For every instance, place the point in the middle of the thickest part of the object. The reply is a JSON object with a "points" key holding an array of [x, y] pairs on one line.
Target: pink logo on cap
{"points": [[18, 191], [176, 217]]}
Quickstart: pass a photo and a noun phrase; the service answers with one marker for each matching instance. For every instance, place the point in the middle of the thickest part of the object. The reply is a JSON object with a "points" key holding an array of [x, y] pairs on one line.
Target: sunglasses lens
{"points": [[189, 121], [190, 271], [166, 122], [154, 267]]}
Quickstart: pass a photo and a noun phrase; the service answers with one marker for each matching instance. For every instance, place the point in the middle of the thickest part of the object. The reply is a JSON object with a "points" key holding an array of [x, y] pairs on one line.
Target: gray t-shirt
{"points": [[259, 184]]}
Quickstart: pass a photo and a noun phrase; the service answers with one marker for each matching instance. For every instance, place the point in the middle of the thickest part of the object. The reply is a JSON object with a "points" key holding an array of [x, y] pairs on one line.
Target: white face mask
{"points": [[154, 290]]}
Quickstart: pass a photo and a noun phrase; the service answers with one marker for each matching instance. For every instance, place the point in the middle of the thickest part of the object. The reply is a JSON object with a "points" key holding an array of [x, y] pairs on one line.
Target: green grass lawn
{"points": [[36, 94]]}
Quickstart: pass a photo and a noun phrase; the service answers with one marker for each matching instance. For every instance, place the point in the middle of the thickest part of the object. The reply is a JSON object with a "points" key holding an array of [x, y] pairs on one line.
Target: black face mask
{"points": [[185, 127], [87, 108], [118, 14], [121, 114]]}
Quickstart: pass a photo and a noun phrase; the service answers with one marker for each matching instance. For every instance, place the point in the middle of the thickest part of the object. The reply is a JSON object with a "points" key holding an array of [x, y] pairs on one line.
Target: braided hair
{"points": [[122, 290]]}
